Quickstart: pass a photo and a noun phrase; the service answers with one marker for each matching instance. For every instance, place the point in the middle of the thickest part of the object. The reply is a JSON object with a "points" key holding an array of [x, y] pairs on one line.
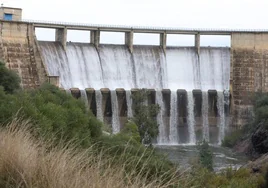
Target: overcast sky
{"points": [[251, 14]]}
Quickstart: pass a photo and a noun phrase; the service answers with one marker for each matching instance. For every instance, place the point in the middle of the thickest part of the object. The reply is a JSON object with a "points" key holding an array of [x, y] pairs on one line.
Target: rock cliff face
{"points": [[19, 50], [254, 144], [259, 139]]}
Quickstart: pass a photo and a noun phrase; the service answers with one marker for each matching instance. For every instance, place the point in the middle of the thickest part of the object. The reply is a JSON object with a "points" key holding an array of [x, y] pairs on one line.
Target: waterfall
{"points": [[191, 117], [173, 123], [205, 116], [99, 105], [182, 71], [162, 137], [221, 116], [115, 115], [226, 94], [84, 98], [149, 66], [129, 104]]}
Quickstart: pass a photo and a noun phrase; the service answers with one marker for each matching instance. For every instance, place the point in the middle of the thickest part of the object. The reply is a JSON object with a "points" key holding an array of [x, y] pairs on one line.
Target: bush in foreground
{"points": [[28, 163], [52, 113], [9, 80], [205, 156]]}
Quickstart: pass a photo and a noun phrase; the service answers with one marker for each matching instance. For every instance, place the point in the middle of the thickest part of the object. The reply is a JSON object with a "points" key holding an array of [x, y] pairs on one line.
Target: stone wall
{"points": [[19, 50], [249, 72]]}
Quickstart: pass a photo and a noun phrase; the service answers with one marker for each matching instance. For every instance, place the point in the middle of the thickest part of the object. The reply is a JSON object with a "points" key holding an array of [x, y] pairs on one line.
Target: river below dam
{"points": [[222, 157]]}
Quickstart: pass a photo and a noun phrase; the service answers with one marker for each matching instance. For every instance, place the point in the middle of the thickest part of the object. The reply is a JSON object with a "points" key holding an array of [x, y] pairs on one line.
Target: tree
{"points": [[144, 116], [8, 79]]}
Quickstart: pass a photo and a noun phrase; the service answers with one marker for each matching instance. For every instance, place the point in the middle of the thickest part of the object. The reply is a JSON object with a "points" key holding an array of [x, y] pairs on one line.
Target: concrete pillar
{"points": [[197, 43], [75, 92], [122, 106], [197, 93], [90, 93], [163, 41], [61, 36], [212, 107], [166, 93], [121, 98], [151, 96], [129, 40], [105, 95], [95, 38]]}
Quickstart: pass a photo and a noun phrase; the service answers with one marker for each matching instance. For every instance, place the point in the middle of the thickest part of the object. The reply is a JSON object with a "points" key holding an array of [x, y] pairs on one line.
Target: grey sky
{"points": [[250, 14]]}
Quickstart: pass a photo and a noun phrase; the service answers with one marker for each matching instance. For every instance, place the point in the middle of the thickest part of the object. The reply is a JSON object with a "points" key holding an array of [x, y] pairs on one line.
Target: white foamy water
{"points": [[115, 115], [162, 135], [182, 69], [205, 116], [221, 115], [98, 95], [173, 123], [129, 104], [84, 98], [215, 68], [191, 117], [150, 67], [117, 67], [57, 63], [84, 63]]}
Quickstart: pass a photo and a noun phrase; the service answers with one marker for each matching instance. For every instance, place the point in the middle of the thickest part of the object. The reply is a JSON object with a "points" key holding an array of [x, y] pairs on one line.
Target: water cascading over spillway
{"points": [[215, 69], [114, 66], [99, 105], [115, 115], [173, 123], [205, 116], [129, 104], [162, 136], [221, 115], [84, 98], [191, 117]]}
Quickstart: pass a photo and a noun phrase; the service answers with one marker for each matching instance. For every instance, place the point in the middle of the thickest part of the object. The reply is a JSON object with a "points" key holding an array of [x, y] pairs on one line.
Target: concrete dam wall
{"points": [[203, 92]]}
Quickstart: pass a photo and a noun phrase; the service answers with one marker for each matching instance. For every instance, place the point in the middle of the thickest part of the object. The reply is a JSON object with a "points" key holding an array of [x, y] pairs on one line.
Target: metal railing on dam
{"points": [[137, 29]]}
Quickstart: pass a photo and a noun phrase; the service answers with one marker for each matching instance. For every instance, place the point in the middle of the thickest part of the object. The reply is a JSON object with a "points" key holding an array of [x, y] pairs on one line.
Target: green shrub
{"points": [[53, 113], [231, 139], [131, 130], [205, 155], [9, 80], [144, 116], [137, 158]]}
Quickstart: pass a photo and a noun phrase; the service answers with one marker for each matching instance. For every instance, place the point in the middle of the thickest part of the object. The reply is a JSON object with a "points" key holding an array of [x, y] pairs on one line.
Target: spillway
{"points": [[129, 104], [205, 122], [162, 136], [114, 66], [173, 123]]}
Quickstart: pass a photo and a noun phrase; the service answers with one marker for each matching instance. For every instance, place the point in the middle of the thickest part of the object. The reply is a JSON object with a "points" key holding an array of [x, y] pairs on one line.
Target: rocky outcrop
{"points": [[259, 139]]}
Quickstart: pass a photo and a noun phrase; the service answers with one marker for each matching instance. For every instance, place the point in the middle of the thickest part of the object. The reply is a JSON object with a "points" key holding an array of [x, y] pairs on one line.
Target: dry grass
{"points": [[25, 162]]}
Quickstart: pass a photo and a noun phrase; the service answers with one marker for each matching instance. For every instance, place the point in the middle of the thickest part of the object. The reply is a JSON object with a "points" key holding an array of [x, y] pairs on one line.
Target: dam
{"points": [[203, 92]]}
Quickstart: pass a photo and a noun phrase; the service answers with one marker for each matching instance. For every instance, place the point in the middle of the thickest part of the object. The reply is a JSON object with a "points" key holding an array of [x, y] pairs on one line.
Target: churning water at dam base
{"points": [[184, 118]]}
